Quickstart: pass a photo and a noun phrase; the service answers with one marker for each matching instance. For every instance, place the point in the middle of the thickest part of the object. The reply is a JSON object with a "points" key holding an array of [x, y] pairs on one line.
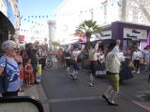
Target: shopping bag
{"points": [[131, 64], [39, 73], [142, 61], [4, 80]]}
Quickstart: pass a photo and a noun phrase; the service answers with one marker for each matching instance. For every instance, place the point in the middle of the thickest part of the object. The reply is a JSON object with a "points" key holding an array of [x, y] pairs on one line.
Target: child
{"points": [[29, 76]]}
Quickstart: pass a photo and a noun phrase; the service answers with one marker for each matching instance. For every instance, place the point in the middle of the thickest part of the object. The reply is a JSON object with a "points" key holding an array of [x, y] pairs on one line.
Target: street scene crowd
{"points": [[112, 62], [25, 65]]}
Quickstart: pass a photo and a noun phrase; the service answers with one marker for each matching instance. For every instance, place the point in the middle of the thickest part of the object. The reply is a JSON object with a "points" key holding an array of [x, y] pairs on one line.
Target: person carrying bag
{"points": [[4, 80], [9, 70]]}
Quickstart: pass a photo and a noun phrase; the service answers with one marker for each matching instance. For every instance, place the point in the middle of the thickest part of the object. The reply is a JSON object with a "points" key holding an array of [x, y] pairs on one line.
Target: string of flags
{"points": [[32, 18], [31, 31], [29, 17]]}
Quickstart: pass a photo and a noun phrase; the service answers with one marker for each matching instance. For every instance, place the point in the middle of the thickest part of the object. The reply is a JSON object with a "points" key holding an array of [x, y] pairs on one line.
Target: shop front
{"points": [[130, 34], [6, 28]]}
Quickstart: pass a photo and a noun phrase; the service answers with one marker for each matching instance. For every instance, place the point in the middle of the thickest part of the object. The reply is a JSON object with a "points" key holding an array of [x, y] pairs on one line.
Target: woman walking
{"points": [[136, 56]]}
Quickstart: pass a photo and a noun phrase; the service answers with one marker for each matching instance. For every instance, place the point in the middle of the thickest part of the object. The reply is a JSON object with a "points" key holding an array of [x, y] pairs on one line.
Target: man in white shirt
{"points": [[113, 64]]}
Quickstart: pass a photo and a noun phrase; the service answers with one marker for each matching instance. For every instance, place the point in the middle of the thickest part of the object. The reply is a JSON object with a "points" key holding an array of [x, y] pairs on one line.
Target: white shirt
{"points": [[121, 56], [112, 61], [93, 53], [136, 55], [75, 54]]}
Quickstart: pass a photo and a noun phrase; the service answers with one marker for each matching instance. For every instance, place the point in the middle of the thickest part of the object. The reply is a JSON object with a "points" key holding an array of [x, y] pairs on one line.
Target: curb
{"points": [[36, 92]]}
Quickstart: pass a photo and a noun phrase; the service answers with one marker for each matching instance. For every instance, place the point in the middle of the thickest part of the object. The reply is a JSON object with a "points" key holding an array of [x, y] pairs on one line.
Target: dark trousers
{"points": [[75, 65], [93, 67], [136, 64], [68, 62], [10, 94]]}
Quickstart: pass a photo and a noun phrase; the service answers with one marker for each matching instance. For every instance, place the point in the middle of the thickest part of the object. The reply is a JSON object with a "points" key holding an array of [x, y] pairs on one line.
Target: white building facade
{"points": [[11, 14], [72, 12], [10, 10]]}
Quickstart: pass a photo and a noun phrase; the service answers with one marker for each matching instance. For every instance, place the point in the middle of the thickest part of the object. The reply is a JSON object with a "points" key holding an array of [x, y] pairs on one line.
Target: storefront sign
{"points": [[106, 35], [134, 34]]}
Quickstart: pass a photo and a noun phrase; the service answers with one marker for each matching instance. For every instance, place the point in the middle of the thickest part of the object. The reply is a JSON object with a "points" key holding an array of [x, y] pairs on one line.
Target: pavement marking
{"points": [[70, 99]]}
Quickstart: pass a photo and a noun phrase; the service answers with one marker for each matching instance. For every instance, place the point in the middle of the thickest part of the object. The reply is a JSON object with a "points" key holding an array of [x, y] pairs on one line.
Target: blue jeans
{"points": [[75, 66]]}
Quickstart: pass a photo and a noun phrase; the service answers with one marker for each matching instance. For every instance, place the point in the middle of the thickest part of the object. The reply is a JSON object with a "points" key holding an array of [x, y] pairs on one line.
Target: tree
{"points": [[140, 3], [140, 8], [88, 27]]}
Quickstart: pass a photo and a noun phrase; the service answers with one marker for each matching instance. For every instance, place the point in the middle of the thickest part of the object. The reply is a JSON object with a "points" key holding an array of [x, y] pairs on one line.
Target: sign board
{"points": [[134, 34], [106, 35]]}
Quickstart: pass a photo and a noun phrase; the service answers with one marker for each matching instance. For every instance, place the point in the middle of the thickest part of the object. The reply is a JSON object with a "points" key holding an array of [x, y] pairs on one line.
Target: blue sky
{"points": [[37, 8]]}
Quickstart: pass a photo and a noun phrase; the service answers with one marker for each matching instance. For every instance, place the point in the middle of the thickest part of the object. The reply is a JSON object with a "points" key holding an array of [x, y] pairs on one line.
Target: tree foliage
{"points": [[88, 27]]}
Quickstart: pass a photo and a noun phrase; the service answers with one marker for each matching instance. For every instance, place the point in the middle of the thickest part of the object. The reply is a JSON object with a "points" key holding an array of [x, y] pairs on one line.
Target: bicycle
{"points": [[48, 61]]}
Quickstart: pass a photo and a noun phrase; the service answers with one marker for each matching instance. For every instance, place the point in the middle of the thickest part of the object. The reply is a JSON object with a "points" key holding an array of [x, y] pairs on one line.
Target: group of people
{"points": [[109, 62], [141, 57], [100, 61], [20, 66]]}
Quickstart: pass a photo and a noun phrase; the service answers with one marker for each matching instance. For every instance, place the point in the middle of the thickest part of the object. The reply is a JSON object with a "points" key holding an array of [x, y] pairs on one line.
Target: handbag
{"points": [[4, 80], [142, 61], [131, 64]]}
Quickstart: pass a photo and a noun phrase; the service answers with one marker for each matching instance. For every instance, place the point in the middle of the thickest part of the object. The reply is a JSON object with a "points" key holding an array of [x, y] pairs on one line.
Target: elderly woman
{"points": [[8, 63]]}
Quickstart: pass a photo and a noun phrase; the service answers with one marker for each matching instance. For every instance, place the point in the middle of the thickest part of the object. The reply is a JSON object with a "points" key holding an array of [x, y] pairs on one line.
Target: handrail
{"points": [[20, 99]]}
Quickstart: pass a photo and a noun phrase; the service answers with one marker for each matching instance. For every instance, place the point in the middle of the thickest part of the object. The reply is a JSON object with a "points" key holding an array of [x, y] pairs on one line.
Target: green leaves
{"points": [[89, 26]]}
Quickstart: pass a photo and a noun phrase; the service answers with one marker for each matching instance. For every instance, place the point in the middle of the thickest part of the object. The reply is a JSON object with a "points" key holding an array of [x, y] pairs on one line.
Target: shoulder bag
{"points": [[4, 80]]}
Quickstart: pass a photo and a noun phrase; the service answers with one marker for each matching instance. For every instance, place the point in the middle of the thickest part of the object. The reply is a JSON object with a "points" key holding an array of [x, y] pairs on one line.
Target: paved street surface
{"points": [[59, 93]]}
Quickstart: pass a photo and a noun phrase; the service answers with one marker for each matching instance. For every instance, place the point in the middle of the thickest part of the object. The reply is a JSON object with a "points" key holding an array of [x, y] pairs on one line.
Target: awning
{"points": [[6, 24]]}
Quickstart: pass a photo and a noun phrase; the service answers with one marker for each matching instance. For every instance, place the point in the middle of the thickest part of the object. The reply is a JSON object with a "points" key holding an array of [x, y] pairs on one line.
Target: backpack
{"points": [[4, 80]]}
